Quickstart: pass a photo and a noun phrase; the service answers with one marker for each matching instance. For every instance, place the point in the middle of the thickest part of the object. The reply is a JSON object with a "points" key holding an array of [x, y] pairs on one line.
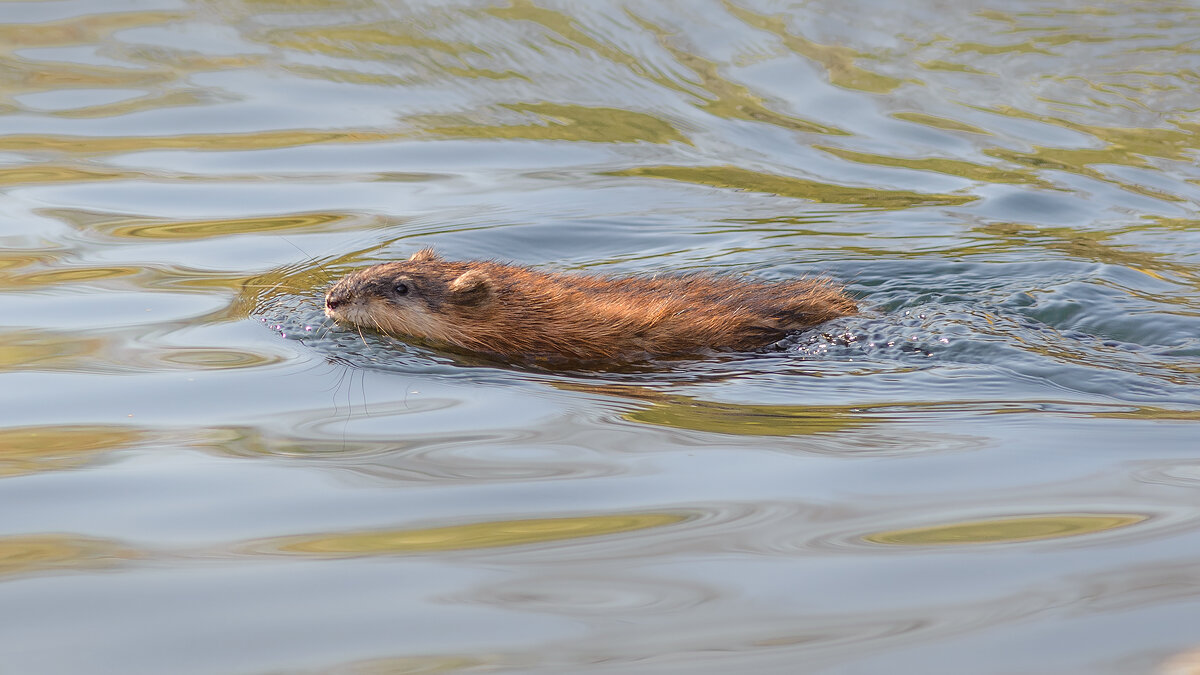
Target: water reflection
{"points": [[203, 229], [785, 186], [345, 441], [46, 350], [51, 173], [262, 140], [1010, 191], [560, 123], [1024, 528], [687, 412], [839, 62], [598, 595], [42, 553], [33, 449], [472, 536]]}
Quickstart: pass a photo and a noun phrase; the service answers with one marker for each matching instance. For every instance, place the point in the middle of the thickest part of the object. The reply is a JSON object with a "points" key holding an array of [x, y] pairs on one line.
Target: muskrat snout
{"points": [[335, 298]]}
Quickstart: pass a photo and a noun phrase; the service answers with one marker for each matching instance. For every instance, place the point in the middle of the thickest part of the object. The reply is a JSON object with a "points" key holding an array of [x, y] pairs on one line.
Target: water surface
{"points": [[995, 468]]}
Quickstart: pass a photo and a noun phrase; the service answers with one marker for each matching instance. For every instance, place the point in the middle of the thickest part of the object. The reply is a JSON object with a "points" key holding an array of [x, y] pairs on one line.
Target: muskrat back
{"points": [[519, 313]]}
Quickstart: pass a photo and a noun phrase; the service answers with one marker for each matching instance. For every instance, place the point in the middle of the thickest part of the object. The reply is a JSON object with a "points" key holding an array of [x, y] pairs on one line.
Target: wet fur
{"points": [[520, 313]]}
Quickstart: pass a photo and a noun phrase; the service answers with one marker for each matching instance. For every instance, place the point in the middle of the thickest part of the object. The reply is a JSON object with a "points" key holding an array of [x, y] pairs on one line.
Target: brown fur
{"points": [[519, 313]]}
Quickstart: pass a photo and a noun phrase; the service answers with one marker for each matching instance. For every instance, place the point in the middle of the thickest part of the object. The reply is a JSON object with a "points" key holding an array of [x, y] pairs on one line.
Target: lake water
{"points": [[995, 468]]}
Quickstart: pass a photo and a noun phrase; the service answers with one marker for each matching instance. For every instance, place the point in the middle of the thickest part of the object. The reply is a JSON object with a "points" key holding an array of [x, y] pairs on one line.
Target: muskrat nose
{"points": [[336, 298]]}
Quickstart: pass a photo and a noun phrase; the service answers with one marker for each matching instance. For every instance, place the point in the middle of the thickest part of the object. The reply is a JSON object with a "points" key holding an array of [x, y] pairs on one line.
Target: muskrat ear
{"points": [[471, 288], [424, 255]]}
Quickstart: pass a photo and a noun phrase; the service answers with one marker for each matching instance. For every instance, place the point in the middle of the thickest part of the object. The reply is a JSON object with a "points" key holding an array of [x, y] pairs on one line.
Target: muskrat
{"points": [[518, 313]]}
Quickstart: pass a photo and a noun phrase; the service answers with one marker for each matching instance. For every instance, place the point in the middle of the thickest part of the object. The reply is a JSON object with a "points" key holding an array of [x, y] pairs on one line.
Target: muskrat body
{"points": [[519, 313]]}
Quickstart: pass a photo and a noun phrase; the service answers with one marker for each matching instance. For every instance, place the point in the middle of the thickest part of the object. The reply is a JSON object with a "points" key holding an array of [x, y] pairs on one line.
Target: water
{"points": [[994, 469]]}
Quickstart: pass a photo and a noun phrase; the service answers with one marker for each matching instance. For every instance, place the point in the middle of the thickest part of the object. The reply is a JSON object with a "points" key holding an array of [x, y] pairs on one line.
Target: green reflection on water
{"points": [[386, 41], [949, 67], [1023, 528], [838, 61], [468, 537], [939, 122], [737, 178], [135, 105], [1150, 413], [683, 412], [728, 99], [47, 350], [72, 275], [365, 41], [556, 122], [687, 412], [27, 76], [1128, 146], [80, 29], [1095, 246], [204, 229], [196, 358], [53, 173], [1027, 47], [24, 554], [952, 167], [721, 96], [261, 140], [33, 449]]}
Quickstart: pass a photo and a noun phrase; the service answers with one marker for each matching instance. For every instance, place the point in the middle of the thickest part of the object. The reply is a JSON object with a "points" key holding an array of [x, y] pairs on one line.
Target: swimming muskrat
{"points": [[519, 313]]}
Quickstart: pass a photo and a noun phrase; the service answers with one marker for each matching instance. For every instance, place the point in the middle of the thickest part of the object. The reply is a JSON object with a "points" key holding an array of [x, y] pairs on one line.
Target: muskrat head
{"points": [[424, 296]]}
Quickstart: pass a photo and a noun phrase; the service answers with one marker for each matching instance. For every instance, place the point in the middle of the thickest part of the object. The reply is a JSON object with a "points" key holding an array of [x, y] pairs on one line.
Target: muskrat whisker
{"points": [[307, 257], [273, 287], [310, 259], [378, 328], [323, 330], [337, 383]]}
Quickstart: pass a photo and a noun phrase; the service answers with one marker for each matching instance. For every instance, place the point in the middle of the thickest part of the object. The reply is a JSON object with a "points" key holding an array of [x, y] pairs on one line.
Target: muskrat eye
{"points": [[401, 288]]}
